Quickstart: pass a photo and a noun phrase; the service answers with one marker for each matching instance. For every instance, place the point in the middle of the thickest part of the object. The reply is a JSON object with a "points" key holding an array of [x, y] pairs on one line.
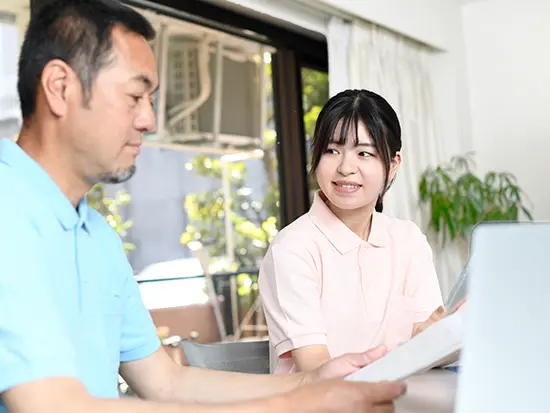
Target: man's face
{"points": [[106, 134]]}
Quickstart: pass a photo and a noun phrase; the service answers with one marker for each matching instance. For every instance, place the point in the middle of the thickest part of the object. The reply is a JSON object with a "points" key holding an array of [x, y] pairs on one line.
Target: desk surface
{"points": [[430, 392]]}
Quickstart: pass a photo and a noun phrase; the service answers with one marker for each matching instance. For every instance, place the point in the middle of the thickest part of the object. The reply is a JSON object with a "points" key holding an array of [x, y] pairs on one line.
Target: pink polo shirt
{"points": [[322, 284]]}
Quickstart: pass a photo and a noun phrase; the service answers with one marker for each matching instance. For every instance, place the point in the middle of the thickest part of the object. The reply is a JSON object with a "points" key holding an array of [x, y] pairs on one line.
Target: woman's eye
{"points": [[331, 151], [365, 154]]}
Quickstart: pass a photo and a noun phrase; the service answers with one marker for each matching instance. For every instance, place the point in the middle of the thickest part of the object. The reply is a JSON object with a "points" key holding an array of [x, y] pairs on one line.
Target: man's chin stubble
{"points": [[117, 177]]}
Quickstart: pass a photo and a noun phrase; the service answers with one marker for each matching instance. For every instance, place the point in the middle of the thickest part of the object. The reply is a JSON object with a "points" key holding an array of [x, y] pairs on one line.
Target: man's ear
{"points": [[57, 83]]}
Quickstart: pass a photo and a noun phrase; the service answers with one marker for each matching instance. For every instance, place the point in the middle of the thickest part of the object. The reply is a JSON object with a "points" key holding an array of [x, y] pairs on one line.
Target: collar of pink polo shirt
{"points": [[339, 235]]}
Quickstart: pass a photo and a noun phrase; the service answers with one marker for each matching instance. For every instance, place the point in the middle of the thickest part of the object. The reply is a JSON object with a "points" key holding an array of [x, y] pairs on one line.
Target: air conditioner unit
{"points": [[212, 96]]}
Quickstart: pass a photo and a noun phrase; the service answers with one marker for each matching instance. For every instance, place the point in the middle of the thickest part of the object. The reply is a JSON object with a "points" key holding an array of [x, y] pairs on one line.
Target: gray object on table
{"points": [[240, 356], [429, 392], [459, 291]]}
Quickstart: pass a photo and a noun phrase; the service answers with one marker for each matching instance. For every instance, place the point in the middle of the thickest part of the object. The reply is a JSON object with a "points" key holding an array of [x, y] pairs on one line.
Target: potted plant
{"points": [[458, 199]]}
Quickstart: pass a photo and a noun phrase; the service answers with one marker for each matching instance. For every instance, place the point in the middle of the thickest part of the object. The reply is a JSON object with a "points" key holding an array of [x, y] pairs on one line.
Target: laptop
{"points": [[506, 355]]}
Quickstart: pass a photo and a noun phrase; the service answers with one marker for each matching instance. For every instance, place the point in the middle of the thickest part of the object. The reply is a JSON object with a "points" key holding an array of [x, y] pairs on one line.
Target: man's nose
{"points": [[146, 121]]}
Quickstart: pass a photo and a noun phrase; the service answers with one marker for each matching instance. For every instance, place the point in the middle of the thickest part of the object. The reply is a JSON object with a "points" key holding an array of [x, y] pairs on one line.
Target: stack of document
{"points": [[431, 348]]}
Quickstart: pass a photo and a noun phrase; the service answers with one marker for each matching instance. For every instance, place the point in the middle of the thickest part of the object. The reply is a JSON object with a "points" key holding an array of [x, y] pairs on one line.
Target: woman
{"points": [[344, 277]]}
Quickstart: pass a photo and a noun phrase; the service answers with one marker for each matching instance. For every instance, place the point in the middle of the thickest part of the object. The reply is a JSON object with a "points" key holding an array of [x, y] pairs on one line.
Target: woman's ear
{"points": [[395, 162]]}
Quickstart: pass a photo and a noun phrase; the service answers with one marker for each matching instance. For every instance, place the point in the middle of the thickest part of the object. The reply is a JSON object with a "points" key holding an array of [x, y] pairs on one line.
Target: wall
{"points": [[451, 88], [508, 61], [301, 17], [423, 20]]}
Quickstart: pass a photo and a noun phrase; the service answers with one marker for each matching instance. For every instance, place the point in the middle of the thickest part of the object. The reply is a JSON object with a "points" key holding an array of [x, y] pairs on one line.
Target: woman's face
{"points": [[352, 176]]}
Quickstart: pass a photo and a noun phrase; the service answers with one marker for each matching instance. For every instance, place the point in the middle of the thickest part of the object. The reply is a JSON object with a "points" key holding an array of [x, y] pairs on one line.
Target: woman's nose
{"points": [[347, 165]]}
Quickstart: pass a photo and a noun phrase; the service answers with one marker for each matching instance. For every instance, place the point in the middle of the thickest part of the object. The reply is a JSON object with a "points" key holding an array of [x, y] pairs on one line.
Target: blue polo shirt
{"points": [[69, 305]]}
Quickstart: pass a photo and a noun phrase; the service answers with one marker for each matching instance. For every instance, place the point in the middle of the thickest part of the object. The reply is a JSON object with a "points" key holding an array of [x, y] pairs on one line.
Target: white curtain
{"points": [[339, 33], [398, 69]]}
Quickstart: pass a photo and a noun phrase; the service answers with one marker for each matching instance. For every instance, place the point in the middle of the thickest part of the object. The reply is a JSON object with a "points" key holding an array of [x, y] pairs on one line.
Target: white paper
{"points": [[426, 350]]}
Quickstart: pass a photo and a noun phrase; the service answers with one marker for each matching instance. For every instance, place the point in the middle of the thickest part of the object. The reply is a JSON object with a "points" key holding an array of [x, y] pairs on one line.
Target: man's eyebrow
{"points": [[147, 81]]}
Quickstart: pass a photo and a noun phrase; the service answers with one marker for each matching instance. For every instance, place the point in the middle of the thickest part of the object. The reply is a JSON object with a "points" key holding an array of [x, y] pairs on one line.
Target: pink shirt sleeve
{"points": [[422, 282], [289, 284]]}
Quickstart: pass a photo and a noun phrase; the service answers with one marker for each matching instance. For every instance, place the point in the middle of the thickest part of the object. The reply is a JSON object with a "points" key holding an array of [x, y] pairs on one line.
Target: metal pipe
{"points": [[229, 242], [263, 98], [226, 187], [218, 85], [162, 61], [184, 109]]}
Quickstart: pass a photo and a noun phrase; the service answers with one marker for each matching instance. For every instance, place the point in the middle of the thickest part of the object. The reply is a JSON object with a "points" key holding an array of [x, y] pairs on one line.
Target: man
{"points": [[71, 317]]}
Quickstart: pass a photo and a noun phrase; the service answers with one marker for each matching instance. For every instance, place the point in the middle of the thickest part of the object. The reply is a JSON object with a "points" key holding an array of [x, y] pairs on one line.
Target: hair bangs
{"points": [[346, 126]]}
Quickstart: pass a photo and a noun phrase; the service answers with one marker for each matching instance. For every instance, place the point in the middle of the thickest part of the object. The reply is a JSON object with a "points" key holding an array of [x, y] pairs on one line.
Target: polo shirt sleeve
{"points": [[290, 290], [139, 336], [422, 281], [33, 342]]}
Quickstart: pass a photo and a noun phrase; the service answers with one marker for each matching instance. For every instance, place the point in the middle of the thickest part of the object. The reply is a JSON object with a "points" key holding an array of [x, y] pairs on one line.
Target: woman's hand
{"points": [[340, 367], [438, 314]]}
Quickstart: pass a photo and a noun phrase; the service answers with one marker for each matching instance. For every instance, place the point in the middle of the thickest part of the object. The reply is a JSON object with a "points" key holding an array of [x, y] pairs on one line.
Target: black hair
{"points": [[78, 32], [349, 108]]}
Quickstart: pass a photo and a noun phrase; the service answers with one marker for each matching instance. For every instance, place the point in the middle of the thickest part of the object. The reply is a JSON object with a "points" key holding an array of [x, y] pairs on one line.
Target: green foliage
{"points": [[310, 118], [314, 96], [255, 223], [315, 89], [110, 209], [206, 211], [459, 200]]}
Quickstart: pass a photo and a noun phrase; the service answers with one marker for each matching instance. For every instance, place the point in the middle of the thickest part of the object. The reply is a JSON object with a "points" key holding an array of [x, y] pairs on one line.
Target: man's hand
{"points": [[66, 395], [339, 396], [342, 366]]}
